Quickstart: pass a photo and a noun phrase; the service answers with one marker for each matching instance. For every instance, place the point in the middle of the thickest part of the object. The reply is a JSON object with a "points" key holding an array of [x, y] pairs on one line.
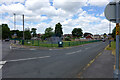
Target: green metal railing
{"points": [[50, 44]]}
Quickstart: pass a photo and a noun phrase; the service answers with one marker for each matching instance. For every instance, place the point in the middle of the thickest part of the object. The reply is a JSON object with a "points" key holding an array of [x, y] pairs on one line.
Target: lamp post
{"points": [[15, 27], [23, 31]]}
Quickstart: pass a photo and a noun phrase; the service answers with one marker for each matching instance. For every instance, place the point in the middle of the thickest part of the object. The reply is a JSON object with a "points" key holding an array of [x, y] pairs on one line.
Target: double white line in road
{"points": [[2, 63]]}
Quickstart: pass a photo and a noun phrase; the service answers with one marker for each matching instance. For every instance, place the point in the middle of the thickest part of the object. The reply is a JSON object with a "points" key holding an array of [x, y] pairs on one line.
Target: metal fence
{"points": [[50, 44]]}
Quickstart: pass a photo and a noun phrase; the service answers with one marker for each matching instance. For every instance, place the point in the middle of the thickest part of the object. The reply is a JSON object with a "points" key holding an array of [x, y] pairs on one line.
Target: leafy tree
{"points": [[43, 37], [49, 32], [86, 34], [67, 38], [58, 30], [33, 31], [5, 31], [105, 35], [77, 32], [27, 34], [0, 32], [114, 33], [19, 33]]}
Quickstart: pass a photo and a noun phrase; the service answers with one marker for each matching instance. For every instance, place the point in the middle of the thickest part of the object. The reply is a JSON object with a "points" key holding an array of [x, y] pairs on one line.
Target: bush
{"points": [[67, 39]]}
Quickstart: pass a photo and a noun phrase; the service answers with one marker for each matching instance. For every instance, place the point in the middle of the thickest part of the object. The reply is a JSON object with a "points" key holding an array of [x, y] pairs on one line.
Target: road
{"points": [[52, 63]]}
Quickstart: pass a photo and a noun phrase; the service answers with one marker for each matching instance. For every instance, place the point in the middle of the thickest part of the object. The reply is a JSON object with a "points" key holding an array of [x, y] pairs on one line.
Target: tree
{"points": [[58, 30], [5, 31], [77, 32], [27, 34], [105, 35], [33, 31], [114, 33], [0, 32], [19, 33], [86, 34], [49, 32]]}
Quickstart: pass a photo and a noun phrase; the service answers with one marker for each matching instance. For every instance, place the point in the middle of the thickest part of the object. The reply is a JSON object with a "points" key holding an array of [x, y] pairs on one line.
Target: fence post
{"points": [[68, 43], [38, 42]]}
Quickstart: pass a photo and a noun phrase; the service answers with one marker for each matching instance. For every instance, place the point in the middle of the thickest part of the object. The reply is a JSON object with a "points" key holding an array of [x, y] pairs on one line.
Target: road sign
{"points": [[111, 11]]}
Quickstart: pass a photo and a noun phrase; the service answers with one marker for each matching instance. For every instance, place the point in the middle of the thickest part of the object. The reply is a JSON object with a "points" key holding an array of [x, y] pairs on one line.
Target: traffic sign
{"points": [[111, 11]]}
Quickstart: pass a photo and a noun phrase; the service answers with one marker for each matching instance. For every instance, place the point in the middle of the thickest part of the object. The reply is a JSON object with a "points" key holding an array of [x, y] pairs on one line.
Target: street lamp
{"points": [[23, 31]]}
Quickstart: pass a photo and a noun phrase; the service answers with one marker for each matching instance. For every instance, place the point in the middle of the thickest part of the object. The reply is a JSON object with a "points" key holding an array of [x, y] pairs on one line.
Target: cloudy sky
{"points": [[41, 14]]}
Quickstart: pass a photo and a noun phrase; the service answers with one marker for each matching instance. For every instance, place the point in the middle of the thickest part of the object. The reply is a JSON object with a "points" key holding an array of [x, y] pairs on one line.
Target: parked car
{"points": [[6, 40], [103, 40]]}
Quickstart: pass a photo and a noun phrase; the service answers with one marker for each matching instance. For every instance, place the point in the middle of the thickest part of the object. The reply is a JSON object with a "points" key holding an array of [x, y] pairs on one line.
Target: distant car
{"points": [[103, 40], [6, 40]]}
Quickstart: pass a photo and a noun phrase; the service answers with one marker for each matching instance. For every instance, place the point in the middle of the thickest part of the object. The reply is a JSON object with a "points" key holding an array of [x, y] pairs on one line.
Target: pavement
{"points": [[102, 67], [50, 63]]}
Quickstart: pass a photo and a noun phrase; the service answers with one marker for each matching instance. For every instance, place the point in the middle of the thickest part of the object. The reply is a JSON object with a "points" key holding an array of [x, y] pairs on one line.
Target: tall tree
{"points": [[33, 31], [105, 35], [86, 34], [27, 34], [49, 32], [5, 31], [77, 32], [0, 32], [58, 30], [114, 33]]}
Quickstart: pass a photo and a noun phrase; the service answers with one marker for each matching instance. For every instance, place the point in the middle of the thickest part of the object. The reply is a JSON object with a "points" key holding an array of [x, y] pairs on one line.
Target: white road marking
{"points": [[2, 62], [1, 66], [27, 59], [86, 48], [73, 52], [50, 49], [10, 47], [32, 49]]}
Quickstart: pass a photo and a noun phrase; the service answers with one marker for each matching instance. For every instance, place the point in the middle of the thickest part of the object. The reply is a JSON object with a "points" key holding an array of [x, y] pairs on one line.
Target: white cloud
{"points": [[69, 5], [36, 4], [98, 2], [11, 1]]}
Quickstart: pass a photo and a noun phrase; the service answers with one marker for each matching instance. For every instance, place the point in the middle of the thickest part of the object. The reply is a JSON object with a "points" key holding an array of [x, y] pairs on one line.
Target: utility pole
{"points": [[14, 21], [23, 31], [15, 35], [109, 34], [116, 72]]}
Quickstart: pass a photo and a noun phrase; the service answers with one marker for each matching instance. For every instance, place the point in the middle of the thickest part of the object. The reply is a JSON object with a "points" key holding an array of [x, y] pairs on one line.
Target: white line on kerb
{"points": [[27, 59]]}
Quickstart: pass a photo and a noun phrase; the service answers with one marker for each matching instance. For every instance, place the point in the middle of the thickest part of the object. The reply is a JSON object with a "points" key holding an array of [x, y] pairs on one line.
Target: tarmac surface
{"points": [[49, 63]]}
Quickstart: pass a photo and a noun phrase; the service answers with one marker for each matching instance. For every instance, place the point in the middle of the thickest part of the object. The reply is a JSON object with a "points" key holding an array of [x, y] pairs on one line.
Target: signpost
{"points": [[112, 13]]}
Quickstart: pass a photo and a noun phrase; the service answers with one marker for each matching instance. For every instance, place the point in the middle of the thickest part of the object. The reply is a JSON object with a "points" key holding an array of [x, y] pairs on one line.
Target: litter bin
{"points": [[60, 44], [22, 42]]}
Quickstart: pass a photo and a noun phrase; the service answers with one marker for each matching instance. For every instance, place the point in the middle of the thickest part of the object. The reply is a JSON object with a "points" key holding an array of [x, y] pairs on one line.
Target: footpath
{"points": [[102, 67]]}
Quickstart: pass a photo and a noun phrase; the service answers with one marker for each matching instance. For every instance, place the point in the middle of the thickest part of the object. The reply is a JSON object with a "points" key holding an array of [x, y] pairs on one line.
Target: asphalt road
{"points": [[52, 63]]}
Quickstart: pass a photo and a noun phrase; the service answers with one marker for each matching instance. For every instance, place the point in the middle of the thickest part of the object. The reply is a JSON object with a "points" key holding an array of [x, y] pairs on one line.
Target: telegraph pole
{"points": [[116, 72], [23, 31], [15, 35], [14, 21], [109, 34]]}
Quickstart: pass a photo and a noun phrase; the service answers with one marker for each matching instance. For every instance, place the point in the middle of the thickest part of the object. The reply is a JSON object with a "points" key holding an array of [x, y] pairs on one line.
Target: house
{"points": [[89, 37], [96, 37]]}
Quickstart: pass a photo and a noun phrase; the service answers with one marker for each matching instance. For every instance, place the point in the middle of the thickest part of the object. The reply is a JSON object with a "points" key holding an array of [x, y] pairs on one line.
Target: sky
{"points": [[41, 14]]}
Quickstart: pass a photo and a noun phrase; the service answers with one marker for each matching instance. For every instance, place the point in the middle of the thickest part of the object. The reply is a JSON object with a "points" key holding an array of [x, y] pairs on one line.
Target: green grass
{"points": [[113, 46]]}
